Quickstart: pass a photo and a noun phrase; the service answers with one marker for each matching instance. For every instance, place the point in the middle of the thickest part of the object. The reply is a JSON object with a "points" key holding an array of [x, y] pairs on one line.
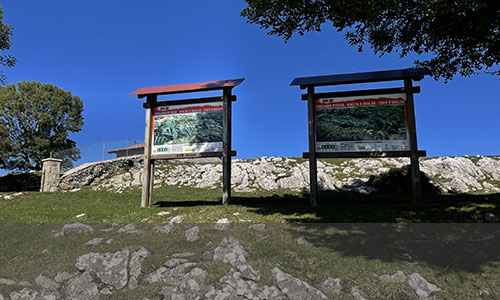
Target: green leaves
{"points": [[5, 41], [35, 119], [460, 36]]}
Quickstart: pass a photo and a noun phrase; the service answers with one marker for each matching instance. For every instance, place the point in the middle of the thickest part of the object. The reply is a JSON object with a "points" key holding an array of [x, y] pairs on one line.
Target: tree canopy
{"points": [[460, 36], [6, 60], [35, 120]]}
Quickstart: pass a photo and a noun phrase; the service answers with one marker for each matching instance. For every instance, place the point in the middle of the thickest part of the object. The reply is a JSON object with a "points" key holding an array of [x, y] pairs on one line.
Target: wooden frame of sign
{"points": [[151, 94], [406, 75]]}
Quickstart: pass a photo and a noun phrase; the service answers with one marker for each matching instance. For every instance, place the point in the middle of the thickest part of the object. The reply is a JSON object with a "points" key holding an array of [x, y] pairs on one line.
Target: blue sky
{"points": [[103, 50]]}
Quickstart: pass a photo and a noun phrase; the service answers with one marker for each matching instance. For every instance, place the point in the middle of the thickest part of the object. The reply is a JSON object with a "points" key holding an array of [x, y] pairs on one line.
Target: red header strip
{"points": [[329, 103], [164, 110]]}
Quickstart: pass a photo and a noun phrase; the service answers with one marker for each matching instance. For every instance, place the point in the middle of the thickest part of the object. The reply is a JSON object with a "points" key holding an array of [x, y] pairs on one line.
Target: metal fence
{"points": [[94, 152]]}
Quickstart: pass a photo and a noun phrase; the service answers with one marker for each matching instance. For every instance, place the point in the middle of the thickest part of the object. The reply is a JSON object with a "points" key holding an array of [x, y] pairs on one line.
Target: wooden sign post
{"points": [[349, 149], [153, 152]]}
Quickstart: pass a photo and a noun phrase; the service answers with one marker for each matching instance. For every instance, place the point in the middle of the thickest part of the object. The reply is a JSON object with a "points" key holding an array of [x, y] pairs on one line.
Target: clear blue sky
{"points": [[103, 50]]}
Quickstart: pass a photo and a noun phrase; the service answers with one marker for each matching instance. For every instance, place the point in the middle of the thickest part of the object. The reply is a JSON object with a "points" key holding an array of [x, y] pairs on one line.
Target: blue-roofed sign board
{"points": [[362, 123]]}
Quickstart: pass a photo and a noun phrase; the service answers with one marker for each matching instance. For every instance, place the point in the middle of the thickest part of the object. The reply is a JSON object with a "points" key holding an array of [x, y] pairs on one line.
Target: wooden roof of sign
{"points": [[188, 88], [364, 77]]}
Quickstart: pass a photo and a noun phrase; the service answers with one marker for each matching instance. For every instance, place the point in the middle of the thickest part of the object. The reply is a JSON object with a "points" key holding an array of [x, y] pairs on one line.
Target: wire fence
{"points": [[99, 151]]}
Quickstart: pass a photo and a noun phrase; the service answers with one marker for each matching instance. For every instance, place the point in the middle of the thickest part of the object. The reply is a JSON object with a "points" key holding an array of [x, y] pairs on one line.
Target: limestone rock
{"points": [[62, 277], [165, 229], [230, 251], [258, 227], [193, 234], [295, 288], [136, 267], [24, 294], [46, 282], [7, 281], [356, 293], [397, 277], [332, 285], [82, 287], [94, 242], [301, 241], [422, 287], [111, 268], [172, 273], [192, 286], [129, 228], [449, 174], [176, 219], [75, 228], [222, 224]]}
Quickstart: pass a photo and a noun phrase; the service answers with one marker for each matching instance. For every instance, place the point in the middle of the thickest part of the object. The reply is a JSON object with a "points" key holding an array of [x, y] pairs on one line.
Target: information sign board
{"points": [[362, 123], [189, 128]]}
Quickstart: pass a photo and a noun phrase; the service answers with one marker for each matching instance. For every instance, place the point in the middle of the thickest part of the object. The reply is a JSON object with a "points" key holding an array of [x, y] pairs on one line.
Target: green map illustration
{"points": [[361, 123], [188, 128]]}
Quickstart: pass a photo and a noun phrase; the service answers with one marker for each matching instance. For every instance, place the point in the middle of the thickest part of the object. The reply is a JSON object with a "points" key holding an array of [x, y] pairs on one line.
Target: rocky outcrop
{"points": [[99, 275], [93, 173], [447, 174]]}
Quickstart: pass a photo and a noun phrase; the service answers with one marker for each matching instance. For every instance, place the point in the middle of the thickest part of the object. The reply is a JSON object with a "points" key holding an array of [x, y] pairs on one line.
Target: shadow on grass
{"points": [[23, 182], [392, 203], [466, 247]]}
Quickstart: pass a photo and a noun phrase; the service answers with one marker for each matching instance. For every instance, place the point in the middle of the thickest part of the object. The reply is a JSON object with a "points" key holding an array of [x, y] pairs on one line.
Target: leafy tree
{"points": [[5, 41], [460, 36], [35, 120]]}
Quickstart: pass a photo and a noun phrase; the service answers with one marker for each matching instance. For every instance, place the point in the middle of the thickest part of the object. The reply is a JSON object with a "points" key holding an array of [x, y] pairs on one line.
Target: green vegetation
{"points": [[361, 123], [188, 129], [460, 259], [457, 37], [35, 120], [203, 206], [5, 43]]}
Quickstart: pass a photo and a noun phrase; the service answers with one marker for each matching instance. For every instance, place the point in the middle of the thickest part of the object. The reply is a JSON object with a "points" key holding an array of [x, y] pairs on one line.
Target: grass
{"points": [[203, 206], [344, 241], [454, 257]]}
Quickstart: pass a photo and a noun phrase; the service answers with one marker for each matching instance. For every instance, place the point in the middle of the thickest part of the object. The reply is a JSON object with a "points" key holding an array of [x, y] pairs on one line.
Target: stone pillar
{"points": [[50, 174]]}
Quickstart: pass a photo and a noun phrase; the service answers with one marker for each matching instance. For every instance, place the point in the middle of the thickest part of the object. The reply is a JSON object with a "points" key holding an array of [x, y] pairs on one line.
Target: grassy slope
{"points": [[461, 260], [332, 250], [202, 206]]}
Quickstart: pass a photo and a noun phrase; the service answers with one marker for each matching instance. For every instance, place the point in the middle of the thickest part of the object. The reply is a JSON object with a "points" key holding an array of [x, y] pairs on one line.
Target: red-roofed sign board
{"points": [[189, 128]]}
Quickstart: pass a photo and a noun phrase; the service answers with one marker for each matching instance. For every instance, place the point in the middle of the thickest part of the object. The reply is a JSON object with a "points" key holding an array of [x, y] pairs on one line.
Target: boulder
{"points": [[397, 277], [421, 286], [82, 287], [111, 268], [332, 285], [295, 288], [222, 224], [136, 267], [258, 227], [165, 229], [129, 228], [193, 234], [24, 294], [230, 251], [75, 228]]}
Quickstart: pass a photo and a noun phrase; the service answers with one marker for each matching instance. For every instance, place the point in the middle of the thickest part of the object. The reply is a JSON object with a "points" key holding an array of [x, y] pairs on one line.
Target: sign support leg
{"points": [[313, 176], [412, 129], [226, 148], [146, 173], [151, 182]]}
